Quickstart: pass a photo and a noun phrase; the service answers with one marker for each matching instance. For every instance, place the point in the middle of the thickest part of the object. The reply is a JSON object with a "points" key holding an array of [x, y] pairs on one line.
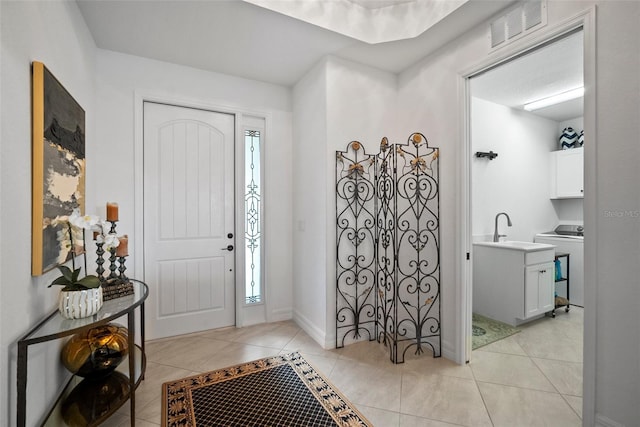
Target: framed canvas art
{"points": [[58, 168]]}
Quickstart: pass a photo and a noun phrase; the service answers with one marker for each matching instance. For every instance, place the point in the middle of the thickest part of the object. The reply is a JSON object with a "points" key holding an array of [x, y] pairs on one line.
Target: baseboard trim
{"points": [[281, 314], [311, 329], [602, 421]]}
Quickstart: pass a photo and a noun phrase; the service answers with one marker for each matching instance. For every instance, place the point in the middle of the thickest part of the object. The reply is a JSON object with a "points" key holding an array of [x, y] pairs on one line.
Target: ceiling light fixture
{"points": [[555, 99]]}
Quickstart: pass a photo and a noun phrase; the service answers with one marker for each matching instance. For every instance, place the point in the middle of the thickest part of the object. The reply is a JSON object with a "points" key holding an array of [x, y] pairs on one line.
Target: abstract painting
{"points": [[58, 168]]}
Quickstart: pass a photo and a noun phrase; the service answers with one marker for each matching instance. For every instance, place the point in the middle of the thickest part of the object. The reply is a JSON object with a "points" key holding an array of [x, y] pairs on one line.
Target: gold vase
{"points": [[96, 352]]}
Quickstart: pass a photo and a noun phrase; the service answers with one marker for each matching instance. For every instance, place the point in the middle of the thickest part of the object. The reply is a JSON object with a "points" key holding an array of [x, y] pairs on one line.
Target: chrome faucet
{"points": [[496, 236]]}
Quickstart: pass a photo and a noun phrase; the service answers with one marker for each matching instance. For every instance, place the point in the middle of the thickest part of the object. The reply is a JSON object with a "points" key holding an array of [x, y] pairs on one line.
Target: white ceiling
{"points": [[377, 4], [242, 39], [547, 71]]}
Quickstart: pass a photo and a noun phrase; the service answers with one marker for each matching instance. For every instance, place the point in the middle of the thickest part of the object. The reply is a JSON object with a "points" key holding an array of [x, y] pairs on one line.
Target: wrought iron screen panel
{"points": [[406, 248], [355, 240]]}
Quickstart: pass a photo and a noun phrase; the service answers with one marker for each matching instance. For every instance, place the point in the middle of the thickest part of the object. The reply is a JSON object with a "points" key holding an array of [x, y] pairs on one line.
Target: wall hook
{"points": [[490, 155]]}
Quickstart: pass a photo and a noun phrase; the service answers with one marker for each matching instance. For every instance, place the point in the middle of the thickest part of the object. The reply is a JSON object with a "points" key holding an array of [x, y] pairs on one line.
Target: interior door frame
{"points": [[244, 314], [463, 330]]}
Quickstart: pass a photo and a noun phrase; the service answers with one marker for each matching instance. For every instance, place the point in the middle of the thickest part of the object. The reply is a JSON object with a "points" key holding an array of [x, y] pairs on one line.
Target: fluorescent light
{"points": [[555, 99]]}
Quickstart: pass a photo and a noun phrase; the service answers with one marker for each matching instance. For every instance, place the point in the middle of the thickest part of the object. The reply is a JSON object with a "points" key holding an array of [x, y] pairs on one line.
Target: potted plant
{"points": [[79, 297]]}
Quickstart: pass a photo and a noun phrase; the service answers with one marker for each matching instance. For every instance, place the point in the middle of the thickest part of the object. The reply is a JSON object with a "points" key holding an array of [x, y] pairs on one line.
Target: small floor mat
{"points": [[277, 391], [487, 331]]}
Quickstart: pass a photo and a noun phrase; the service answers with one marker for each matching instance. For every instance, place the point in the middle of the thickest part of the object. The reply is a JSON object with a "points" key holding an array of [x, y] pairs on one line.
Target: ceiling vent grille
{"points": [[519, 21]]}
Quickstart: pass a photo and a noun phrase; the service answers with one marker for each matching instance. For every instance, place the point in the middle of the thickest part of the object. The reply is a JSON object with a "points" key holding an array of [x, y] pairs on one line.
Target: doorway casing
{"points": [[245, 314], [586, 21]]}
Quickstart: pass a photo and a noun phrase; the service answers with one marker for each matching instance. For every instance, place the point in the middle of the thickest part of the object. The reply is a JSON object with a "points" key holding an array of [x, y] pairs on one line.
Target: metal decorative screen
{"points": [[253, 213], [398, 225], [355, 238]]}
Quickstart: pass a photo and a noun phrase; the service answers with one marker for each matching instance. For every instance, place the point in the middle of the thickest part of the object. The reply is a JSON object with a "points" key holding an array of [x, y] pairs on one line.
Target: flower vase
{"points": [[79, 304]]}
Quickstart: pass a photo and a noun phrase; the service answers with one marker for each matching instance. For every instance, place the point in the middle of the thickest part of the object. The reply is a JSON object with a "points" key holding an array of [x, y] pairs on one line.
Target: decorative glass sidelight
{"points": [[253, 216], [388, 247]]}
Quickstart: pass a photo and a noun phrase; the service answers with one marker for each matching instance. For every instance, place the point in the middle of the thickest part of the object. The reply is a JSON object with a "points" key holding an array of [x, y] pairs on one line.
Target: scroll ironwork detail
{"points": [[355, 262], [392, 215]]}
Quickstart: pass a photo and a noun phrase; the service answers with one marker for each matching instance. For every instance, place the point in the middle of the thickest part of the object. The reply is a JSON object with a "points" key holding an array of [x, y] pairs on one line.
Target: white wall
{"points": [[428, 94], [517, 181], [337, 102], [104, 83], [55, 34], [617, 243], [121, 77], [361, 106], [310, 192]]}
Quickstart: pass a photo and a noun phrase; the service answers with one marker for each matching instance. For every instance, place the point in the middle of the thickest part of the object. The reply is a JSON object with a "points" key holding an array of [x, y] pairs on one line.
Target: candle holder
{"points": [[112, 257], [112, 264], [122, 268], [115, 285], [100, 252]]}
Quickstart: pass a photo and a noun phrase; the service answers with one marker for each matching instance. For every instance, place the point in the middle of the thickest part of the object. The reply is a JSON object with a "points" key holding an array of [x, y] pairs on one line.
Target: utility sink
{"points": [[513, 282], [517, 246]]}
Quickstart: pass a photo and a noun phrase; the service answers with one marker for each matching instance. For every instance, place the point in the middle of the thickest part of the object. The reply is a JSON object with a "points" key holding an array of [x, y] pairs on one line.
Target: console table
{"points": [[55, 327]]}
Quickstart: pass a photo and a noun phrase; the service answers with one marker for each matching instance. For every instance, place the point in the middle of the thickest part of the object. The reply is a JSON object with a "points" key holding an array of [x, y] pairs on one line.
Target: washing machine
{"points": [[568, 238]]}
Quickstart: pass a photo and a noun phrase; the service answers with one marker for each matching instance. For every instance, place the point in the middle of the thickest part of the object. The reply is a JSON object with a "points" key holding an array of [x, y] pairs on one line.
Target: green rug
{"points": [[486, 331]]}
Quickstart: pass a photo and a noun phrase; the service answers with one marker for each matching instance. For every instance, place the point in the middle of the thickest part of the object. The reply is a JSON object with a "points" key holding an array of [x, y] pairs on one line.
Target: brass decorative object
{"points": [[93, 399], [96, 352]]}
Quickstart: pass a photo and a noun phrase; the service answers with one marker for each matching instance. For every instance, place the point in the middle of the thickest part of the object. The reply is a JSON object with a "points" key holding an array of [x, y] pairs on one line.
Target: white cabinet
{"points": [[567, 174], [538, 289], [513, 284]]}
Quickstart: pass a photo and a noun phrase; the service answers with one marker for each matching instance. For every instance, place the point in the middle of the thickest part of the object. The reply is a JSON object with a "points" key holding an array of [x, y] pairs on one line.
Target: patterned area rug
{"points": [[486, 331], [277, 391]]}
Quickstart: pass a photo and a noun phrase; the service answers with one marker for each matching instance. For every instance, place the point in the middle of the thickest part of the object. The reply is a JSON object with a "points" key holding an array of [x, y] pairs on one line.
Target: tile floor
{"points": [[531, 378]]}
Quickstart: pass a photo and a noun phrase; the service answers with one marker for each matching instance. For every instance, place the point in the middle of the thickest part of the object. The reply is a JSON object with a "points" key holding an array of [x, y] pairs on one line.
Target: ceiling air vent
{"points": [[524, 18]]}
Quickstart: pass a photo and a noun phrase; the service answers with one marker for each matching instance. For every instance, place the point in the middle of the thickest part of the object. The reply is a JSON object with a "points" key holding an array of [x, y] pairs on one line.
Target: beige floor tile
{"points": [[187, 353], [365, 351], [422, 392], [508, 369], [514, 406], [321, 363], [507, 345], [304, 343], [151, 412], [117, 420], [411, 421], [429, 365], [371, 353], [235, 354], [363, 384], [575, 403], [545, 348], [380, 417], [449, 399], [566, 377], [156, 374]]}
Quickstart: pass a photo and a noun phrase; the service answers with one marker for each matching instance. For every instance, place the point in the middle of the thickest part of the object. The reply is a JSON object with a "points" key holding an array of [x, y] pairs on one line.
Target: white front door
{"points": [[188, 219]]}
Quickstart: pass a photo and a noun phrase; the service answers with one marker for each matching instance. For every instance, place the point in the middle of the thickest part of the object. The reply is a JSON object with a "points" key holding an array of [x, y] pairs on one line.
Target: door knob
{"points": [[228, 248]]}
